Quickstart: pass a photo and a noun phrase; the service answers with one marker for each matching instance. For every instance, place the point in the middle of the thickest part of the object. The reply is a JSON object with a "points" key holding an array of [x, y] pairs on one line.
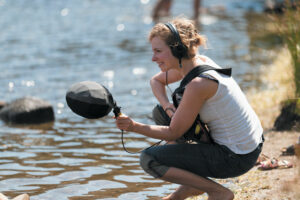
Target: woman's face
{"points": [[162, 55]]}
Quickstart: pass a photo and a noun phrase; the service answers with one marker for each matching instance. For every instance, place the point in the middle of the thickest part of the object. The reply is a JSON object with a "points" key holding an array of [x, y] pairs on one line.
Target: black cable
{"points": [[131, 152], [117, 112]]}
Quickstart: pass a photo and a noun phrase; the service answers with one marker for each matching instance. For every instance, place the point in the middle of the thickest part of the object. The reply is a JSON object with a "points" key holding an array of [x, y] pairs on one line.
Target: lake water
{"points": [[47, 45]]}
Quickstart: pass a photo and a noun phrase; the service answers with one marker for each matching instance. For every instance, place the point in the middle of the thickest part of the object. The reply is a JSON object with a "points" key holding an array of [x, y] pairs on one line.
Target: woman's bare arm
{"points": [[158, 84], [196, 93]]}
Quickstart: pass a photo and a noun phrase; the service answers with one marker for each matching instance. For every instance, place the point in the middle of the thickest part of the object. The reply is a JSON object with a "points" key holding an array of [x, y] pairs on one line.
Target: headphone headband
{"points": [[174, 32], [179, 50]]}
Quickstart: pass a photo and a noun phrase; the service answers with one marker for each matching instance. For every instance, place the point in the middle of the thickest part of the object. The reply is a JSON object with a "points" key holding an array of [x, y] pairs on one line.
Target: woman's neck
{"points": [[189, 64]]}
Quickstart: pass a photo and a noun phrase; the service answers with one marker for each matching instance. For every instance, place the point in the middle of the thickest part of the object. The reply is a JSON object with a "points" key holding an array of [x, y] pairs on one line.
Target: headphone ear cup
{"points": [[179, 51]]}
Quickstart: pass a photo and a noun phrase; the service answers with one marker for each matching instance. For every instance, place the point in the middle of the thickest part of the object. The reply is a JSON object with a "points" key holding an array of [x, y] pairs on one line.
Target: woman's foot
{"points": [[225, 194], [182, 193]]}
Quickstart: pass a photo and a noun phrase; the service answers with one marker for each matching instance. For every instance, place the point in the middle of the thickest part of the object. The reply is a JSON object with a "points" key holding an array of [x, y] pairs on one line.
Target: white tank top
{"points": [[229, 116]]}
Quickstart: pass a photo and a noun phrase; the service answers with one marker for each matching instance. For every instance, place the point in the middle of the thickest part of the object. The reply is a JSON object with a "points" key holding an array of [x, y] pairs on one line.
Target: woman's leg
{"points": [[182, 192], [214, 190], [188, 164], [161, 6]]}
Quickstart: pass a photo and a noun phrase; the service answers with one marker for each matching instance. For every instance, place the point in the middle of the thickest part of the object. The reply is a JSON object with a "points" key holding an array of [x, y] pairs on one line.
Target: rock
{"points": [[279, 6], [289, 117], [27, 110], [2, 104], [274, 6], [20, 197], [3, 197]]}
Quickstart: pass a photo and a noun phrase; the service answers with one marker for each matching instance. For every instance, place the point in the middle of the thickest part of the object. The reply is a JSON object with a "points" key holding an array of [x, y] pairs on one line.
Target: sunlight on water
{"points": [[109, 74], [120, 27], [208, 20], [64, 12], [139, 71]]}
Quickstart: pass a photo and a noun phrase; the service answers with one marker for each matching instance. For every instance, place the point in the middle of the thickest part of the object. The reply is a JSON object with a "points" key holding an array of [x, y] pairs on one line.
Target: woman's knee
{"points": [[151, 166]]}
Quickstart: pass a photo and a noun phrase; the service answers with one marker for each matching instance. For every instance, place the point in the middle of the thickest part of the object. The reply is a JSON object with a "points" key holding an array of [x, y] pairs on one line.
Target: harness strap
{"points": [[195, 72], [199, 70]]}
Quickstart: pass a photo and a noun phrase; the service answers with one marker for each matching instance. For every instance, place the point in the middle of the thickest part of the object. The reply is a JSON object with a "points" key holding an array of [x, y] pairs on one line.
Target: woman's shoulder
{"points": [[203, 86], [208, 61]]}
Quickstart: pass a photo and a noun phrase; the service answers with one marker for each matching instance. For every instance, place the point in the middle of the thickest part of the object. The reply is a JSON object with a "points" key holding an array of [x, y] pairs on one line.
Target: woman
{"points": [[234, 126]]}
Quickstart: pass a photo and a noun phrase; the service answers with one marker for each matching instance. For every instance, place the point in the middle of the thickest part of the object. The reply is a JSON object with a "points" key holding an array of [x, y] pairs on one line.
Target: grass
{"points": [[278, 87], [288, 26]]}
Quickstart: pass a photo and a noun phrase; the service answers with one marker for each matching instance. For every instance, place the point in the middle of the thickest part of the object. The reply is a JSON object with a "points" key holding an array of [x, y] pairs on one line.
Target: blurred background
{"points": [[47, 45]]}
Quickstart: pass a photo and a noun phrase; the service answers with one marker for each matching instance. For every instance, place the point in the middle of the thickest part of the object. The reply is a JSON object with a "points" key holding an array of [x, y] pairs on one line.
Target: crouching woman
{"points": [[216, 97]]}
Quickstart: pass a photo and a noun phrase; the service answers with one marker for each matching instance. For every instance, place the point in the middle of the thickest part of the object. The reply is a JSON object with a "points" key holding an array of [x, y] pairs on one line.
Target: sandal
{"points": [[262, 157], [284, 164], [268, 164], [275, 164]]}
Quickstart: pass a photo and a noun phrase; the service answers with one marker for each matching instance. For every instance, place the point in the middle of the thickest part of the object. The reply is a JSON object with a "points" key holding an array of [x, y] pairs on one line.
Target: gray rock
{"points": [[27, 110], [289, 118], [279, 6], [2, 104]]}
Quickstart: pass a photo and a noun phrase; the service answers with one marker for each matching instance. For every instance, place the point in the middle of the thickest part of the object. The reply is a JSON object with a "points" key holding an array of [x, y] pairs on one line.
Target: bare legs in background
{"points": [[163, 7]]}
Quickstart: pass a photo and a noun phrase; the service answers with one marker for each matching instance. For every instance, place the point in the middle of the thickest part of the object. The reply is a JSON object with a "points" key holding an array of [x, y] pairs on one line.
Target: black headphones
{"points": [[178, 49]]}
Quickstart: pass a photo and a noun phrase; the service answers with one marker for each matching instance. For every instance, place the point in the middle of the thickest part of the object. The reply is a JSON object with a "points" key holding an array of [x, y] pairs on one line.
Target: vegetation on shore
{"points": [[288, 26], [289, 30]]}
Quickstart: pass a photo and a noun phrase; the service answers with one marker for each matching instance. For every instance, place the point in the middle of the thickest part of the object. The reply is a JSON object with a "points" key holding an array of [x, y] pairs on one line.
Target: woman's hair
{"points": [[187, 31]]}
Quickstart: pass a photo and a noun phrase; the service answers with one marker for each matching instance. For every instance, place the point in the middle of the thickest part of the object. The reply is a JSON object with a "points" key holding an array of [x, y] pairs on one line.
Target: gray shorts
{"points": [[205, 160]]}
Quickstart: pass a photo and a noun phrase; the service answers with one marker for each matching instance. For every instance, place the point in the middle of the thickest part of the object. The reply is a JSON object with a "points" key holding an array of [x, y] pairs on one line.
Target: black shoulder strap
{"points": [[199, 70], [177, 94]]}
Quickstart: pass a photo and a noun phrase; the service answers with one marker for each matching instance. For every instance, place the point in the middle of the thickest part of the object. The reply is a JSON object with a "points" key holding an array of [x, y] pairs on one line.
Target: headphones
{"points": [[178, 49]]}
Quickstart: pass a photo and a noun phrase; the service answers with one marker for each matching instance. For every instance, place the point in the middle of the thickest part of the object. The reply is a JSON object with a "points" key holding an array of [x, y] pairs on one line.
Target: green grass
{"points": [[288, 25]]}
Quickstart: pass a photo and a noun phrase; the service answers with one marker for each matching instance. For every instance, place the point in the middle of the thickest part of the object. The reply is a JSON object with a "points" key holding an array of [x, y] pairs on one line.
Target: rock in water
{"points": [[2, 104], [27, 110]]}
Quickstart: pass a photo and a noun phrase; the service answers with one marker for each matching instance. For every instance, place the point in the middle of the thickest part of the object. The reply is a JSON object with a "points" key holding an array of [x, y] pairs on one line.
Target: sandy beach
{"points": [[275, 184]]}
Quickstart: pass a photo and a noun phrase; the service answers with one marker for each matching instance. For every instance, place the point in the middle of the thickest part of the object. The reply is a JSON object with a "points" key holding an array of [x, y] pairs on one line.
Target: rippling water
{"points": [[45, 46]]}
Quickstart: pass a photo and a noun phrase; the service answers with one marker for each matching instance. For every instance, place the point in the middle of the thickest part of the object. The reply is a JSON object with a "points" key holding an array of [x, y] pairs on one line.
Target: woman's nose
{"points": [[154, 58]]}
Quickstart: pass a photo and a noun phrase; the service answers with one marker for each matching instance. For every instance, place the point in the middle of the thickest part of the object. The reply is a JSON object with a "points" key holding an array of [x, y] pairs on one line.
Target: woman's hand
{"points": [[170, 109], [124, 122]]}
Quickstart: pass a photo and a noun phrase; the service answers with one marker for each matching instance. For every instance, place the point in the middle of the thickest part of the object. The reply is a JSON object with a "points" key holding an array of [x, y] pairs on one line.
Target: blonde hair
{"points": [[187, 31]]}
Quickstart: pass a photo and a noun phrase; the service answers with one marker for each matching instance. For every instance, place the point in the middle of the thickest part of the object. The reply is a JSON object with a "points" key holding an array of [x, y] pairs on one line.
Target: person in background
{"points": [[162, 8], [234, 127]]}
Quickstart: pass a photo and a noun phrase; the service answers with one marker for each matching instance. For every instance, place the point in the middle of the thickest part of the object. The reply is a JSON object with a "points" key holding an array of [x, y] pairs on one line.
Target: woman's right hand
{"points": [[124, 122]]}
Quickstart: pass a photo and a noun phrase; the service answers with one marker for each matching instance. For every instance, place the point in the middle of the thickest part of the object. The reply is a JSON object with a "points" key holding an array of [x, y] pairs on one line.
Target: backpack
{"points": [[199, 131]]}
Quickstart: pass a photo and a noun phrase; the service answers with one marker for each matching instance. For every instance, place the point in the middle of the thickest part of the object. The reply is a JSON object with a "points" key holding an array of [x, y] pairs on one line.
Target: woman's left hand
{"points": [[170, 109], [124, 122]]}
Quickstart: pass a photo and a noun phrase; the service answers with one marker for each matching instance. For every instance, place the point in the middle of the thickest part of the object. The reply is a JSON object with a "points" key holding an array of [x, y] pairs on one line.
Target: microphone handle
{"points": [[117, 111]]}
